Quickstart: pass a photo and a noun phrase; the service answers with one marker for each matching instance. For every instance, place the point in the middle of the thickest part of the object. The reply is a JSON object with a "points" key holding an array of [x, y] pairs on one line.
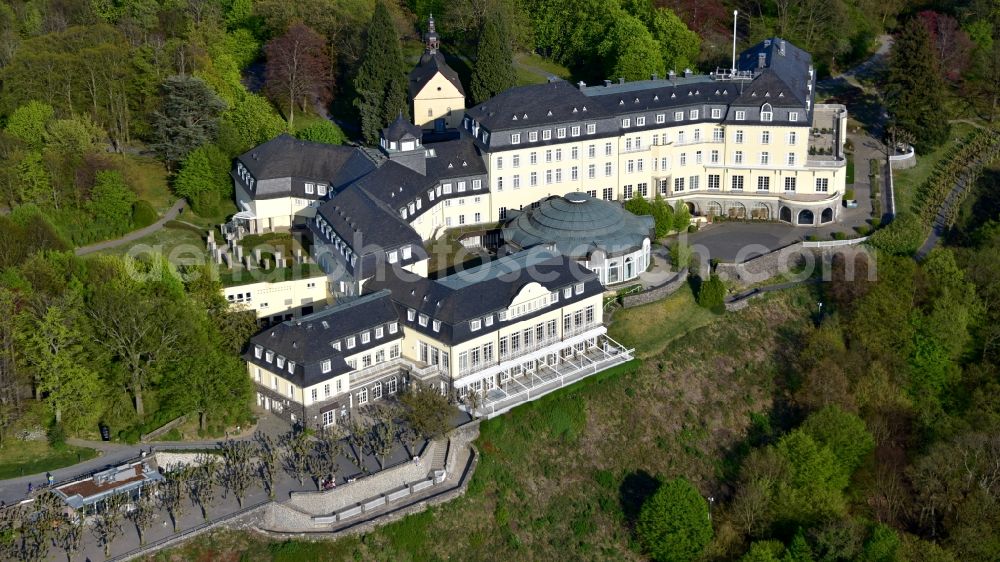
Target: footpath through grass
{"points": [[20, 458]]}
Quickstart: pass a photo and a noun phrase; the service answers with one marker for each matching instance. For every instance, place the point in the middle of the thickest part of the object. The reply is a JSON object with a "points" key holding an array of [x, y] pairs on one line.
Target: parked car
{"points": [[851, 203]]}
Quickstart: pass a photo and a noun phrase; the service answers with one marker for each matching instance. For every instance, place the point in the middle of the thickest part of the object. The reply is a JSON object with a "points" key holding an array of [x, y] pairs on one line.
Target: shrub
{"points": [[673, 523], [143, 214], [692, 228], [56, 436], [902, 237], [712, 294], [863, 230], [839, 236]]}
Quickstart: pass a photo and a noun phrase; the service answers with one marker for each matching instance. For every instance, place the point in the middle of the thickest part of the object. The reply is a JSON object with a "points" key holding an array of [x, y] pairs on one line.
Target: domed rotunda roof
{"points": [[578, 224]]}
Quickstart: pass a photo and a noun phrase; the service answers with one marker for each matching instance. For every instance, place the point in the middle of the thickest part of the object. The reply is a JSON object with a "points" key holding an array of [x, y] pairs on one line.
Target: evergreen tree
{"points": [[494, 70], [915, 89], [187, 119], [682, 216], [712, 294], [380, 82]]}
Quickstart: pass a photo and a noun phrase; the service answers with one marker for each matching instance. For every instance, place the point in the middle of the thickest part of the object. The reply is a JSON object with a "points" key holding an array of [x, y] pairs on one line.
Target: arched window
{"points": [[629, 268], [766, 113]]}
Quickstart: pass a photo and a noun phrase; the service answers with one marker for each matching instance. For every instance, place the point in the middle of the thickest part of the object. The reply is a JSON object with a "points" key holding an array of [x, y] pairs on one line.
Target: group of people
{"points": [[48, 477]]}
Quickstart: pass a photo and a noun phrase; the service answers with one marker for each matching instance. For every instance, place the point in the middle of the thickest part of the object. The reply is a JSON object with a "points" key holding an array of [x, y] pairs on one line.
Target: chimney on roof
{"points": [[687, 72], [582, 85], [781, 46], [607, 83], [621, 80]]}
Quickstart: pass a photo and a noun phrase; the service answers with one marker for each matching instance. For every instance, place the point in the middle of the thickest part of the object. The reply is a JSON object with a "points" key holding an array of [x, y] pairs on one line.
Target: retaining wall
{"points": [[657, 293]]}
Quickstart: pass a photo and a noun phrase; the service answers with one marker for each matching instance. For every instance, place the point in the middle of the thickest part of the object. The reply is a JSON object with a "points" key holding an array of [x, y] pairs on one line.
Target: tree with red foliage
{"points": [[951, 45], [298, 69]]}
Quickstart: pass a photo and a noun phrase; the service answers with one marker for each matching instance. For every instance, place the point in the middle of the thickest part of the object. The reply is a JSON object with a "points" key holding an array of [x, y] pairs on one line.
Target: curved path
{"points": [[170, 215]]}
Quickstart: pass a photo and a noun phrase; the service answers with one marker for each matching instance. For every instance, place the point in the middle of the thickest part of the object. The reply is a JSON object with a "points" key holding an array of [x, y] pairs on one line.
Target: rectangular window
{"points": [[640, 121], [561, 133], [697, 157], [793, 115], [714, 181], [393, 328], [693, 182], [548, 155], [548, 177], [351, 342], [763, 183], [515, 138], [678, 116], [693, 114], [591, 171], [320, 189], [741, 115], [379, 332], [739, 136], [546, 134], [791, 159], [574, 172], [792, 138], [737, 183], [607, 149], [516, 160], [502, 213], [822, 185], [684, 158], [716, 113], [574, 153], [678, 184], [789, 184], [765, 137], [714, 157], [366, 337], [499, 162], [718, 135], [517, 181], [591, 151], [326, 366], [533, 136], [533, 179], [533, 157], [477, 184], [626, 123], [314, 394], [326, 390], [661, 118], [627, 191], [558, 175], [608, 194], [309, 188], [475, 325], [558, 155], [738, 157], [591, 128], [607, 168], [765, 158]]}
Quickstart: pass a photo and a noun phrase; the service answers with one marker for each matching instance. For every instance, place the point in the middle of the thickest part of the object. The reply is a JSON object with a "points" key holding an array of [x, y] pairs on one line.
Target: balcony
{"points": [[580, 329]]}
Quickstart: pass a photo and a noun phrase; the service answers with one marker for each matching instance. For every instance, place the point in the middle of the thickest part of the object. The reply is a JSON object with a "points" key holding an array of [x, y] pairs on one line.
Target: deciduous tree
{"points": [[298, 69], [427, 410], [673, 523]]}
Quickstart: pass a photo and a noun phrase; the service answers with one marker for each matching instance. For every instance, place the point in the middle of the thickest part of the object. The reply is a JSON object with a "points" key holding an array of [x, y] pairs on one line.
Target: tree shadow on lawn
{"points": [[635, 488]]}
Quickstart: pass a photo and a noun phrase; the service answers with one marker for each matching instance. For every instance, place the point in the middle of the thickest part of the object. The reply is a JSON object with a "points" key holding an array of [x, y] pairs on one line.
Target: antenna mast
{"points": [[735, 13]]}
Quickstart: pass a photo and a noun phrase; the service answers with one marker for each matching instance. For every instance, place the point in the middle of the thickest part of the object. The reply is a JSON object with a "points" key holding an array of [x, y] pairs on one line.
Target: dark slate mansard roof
{"points": [[483, 291], [308, 340], [287, 157]]}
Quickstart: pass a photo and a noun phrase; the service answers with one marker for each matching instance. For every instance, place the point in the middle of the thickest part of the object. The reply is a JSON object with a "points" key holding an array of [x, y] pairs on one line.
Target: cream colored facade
{"points": [[280, 299], [748, 171], [275, 214], [438, 99], [333, 388]]}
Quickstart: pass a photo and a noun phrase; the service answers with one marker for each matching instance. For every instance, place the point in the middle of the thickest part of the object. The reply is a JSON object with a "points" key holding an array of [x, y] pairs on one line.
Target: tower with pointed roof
{"points": [[437, 99]]}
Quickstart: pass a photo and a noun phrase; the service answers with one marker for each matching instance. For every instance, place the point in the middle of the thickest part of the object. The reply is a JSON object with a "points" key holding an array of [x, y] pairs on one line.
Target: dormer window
{"points": [[640, 121], [567, 292], [515, 138], [326, 366], [561, 132], [575, 131], [626, 123], [291, 367], [336, 345], [579, 288], [309, 188], [533, 136], [379, 332], [351, 342], [488, 320], [422, 320], [766, 113], [393, 328], [258, 351], [661, 118], [269, 356], [281, 362], [678, 116], [591, 128], [475, 325], [694, 113], [321, 189], [436, 325], [411, 314], [366, 337], [546, 134], [406, 252]]}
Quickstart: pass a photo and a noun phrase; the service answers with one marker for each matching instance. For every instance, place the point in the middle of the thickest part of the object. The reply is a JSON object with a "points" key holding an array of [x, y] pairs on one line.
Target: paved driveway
{"points": [[736, 242]]}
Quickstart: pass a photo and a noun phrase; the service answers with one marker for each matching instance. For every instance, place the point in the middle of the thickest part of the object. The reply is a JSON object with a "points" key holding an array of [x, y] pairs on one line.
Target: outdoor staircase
{"points": [[439, 454]]}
